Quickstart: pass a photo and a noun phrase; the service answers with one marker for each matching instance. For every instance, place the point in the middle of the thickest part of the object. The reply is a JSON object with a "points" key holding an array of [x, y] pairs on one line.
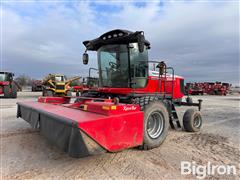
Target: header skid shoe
{"points": [[86, 129]]}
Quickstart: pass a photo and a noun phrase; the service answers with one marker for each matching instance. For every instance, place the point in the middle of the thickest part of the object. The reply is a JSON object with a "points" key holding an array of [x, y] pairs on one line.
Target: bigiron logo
{"points": [[202, 171]]}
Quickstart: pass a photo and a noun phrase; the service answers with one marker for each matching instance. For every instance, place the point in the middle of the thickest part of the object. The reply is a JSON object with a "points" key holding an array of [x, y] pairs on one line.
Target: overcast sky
{"points": [[200, 39]]}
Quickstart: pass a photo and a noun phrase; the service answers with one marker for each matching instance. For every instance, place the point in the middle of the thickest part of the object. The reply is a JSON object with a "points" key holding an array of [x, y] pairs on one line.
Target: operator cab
{"points": [[124, 68], [59, 78], [6, 76], [122, 58]]}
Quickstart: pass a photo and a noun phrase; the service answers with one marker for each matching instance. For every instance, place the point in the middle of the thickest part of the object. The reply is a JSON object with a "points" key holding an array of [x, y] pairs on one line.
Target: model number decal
{"points": [[129, 108]]}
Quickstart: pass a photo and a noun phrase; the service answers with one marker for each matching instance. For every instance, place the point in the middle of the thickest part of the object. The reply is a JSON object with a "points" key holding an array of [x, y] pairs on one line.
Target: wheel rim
{"points": [[197, 121], [155, 125]]}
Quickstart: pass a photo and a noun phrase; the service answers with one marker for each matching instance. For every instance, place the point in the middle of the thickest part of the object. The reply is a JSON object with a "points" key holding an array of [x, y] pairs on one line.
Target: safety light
{"points": [[120, 34]]}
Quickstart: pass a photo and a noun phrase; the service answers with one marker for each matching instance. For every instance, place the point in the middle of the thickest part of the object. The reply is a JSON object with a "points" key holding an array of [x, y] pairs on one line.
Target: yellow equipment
{"points": [[57, 85]]}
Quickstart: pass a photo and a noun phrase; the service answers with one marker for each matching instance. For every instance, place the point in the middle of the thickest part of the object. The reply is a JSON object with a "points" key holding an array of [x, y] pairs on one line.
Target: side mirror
{"points": [[85, 58], [141, 40]]}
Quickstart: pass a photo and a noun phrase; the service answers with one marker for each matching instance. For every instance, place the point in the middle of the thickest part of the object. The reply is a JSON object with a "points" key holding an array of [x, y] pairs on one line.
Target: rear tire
{"points": [[89, 94], [14, 91], [156, 125], [6, 91], [192, 120], [49, 93], [46, 92], [69, 93]]}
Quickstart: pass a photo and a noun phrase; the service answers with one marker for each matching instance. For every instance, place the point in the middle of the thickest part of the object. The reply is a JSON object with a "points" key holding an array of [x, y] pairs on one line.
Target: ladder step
{"points": [[175, 124]]}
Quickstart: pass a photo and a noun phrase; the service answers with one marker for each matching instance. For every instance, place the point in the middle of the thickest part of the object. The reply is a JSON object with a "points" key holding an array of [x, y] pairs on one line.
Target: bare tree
{"points": [[23, 80]]}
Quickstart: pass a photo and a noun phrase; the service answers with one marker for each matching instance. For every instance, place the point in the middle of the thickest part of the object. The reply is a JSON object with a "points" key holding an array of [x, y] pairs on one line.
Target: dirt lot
{"points": [[25, 154]]}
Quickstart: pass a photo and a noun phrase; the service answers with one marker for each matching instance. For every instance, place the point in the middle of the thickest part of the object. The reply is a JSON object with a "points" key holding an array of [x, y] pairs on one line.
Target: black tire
{"points": [[144, 101], [44, 92], [6, 91], [69, 93], [49, 93], [156, 125], [14, 91], [89, 94], [192, 120]]}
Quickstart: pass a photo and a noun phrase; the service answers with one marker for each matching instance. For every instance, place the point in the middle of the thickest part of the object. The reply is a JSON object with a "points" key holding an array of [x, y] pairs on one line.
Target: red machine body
{"points": [[8, 87], [2, 84], [210, 88], [80, 88], [131, 106], [195, 88], [174, 87]]}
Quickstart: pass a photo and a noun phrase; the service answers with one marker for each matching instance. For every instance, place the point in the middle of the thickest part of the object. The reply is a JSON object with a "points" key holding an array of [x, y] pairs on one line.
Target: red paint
{"points": [[3, 83], [151, 87], [211, 88], [81, 88], [54, 100], [114, 130]]}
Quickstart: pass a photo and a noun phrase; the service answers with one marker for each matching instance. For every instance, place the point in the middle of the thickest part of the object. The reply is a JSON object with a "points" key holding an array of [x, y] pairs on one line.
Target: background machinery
{"points": [[37, 85], [7, 85], [210, 88], [57, 85], [195, 88], [88, 83], [132, 107]]}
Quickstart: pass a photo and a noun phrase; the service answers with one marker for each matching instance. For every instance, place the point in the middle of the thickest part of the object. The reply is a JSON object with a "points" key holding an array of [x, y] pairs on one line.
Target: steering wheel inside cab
{"points": [[114, 66]]}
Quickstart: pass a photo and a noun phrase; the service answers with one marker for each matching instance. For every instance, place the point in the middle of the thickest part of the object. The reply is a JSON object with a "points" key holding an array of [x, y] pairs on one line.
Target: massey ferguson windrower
{"points": [[132, 107]]}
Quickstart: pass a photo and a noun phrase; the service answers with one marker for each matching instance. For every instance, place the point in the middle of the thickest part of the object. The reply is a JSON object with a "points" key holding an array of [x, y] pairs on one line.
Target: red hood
{"points": [[4, 83]]}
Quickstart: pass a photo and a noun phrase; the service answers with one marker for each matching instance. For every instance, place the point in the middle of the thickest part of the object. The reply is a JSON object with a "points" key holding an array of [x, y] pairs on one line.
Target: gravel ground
{"points": [[25, 154]]}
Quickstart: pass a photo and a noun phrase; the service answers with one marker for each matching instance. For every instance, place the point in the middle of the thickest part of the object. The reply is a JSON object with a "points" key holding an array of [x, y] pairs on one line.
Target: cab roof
{"points": [[5, 72], [117, 36]]}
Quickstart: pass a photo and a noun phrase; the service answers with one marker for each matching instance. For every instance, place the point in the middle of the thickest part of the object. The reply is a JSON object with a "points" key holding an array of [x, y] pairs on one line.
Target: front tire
{"points": [[192, 120], [14, 91], [6, 91], [69, 94], [156, 125]]}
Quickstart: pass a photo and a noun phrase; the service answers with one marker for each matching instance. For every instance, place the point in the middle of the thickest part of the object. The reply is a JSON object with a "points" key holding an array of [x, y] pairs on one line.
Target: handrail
{"points": [[160, 78]]}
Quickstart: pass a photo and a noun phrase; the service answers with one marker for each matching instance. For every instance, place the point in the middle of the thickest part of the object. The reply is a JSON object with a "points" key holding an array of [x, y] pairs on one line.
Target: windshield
{"points": [[113, 66], [3, 77], [119, 64], [139, 66], [59, 78]]}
